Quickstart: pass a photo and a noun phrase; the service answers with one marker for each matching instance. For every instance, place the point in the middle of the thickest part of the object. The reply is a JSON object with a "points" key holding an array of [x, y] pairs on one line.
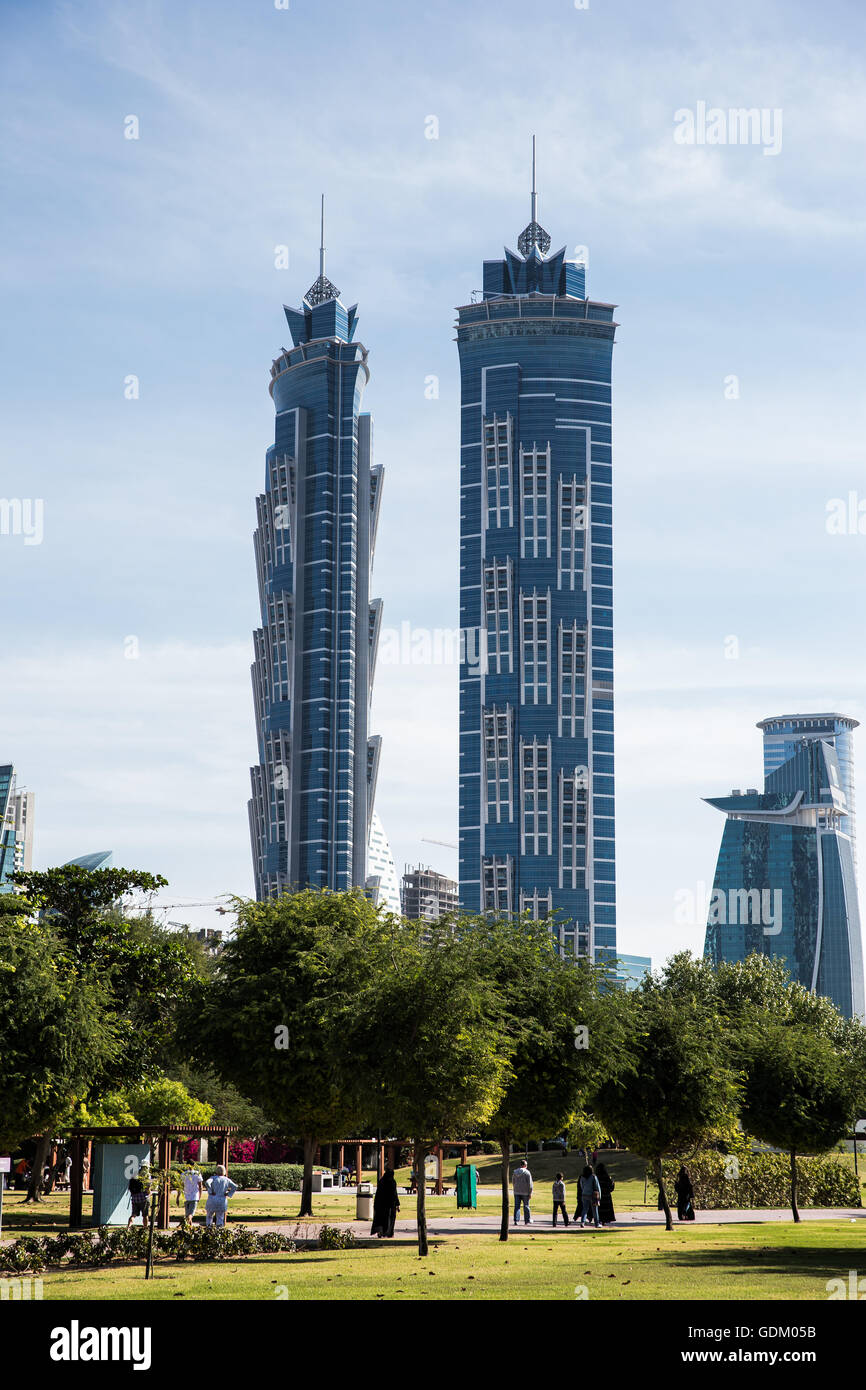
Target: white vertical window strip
{"points": [[497, 607], [535, 503], [536, 813], [496, 879], [571, 545], [498, 799], [535, 683], [572, 828], [497, 473], [571, 642]]}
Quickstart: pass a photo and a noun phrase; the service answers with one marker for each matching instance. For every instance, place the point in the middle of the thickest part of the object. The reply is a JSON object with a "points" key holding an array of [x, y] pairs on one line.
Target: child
{"points": [[559, 1198]]}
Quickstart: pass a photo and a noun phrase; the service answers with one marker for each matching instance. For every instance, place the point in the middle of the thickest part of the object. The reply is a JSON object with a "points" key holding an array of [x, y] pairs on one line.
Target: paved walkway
{"points": [[460, 1224]]}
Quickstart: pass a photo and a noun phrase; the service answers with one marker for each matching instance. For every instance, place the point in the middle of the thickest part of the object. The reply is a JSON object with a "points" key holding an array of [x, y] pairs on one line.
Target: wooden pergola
{"points": [[163, 1135], [392, 1148]]}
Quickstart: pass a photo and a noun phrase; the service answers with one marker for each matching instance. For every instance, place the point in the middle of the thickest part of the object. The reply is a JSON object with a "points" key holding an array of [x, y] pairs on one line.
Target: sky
{"points": [[143, 281]]}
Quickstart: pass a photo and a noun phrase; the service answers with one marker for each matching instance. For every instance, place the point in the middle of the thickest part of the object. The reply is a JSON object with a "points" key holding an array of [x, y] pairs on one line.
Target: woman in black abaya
{"points": [[386, 1204]]}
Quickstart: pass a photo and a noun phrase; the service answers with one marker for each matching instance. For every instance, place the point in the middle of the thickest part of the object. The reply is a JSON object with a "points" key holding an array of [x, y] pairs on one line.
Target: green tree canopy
{"points": [[56, 1032], [279, 1017]]}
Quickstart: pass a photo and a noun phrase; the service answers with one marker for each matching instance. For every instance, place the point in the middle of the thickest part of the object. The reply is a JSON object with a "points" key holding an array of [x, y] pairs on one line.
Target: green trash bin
{"points": [[467, 1185]]}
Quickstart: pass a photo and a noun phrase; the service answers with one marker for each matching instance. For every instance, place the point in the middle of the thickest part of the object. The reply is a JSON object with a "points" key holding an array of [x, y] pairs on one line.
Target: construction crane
{"points": [[168, 907], [425, 840]]}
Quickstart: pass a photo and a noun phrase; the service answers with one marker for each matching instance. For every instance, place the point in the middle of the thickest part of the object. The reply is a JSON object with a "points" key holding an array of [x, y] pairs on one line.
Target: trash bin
{"points": [[364, 1202], [467, 1185]]}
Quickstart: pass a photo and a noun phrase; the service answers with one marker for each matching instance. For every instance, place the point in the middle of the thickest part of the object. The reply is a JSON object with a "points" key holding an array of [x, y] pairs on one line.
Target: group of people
{"points": [[219, 1188], [594, 1196]]}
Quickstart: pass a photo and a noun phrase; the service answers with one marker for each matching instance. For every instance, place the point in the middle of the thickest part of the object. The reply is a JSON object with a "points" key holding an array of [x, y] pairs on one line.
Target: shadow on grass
{"points": [[822, 1261]]}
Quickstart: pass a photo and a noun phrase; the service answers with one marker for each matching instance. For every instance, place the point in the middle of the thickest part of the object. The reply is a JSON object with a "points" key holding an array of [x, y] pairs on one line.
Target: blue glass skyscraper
{"points": [[536, 596], [784, 733], [785, 882], [315, 652]]}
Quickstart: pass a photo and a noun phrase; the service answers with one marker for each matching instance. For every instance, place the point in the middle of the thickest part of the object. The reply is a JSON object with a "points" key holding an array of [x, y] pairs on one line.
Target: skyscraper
{"points": [[382, 885], [313, 788], [785, 882], [536, 596], [17, 810], [785, 732]]}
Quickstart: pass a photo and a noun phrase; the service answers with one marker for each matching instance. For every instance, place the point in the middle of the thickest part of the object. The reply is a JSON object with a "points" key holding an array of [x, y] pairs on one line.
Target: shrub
{"points": [[93, 1249], [331, 1238], [764, 1180], [268, 1177]]}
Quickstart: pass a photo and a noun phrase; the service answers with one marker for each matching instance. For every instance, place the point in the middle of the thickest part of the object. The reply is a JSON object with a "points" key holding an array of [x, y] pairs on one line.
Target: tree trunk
{"points": [[505, 1144], [307, 1183], [657, 1169], [421, 1199], [794, 1208], [43, 1144]]}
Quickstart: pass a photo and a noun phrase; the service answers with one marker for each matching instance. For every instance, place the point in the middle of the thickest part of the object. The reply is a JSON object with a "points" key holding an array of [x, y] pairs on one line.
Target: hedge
{"points": [[94, 1249], [269, 1177], [764, 1180]]}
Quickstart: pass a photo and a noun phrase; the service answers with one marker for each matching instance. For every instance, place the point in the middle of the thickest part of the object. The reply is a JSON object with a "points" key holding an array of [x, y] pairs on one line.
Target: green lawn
{"points": [[725, 1263]]}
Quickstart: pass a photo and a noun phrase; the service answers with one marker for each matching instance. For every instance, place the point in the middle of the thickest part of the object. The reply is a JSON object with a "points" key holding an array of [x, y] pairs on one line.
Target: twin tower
{"points": [[536, 678]]}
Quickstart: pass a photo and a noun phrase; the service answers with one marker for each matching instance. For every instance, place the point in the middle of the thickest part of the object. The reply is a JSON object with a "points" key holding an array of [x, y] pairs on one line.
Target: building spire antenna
{"points": [[534, 217], [322, 290]]}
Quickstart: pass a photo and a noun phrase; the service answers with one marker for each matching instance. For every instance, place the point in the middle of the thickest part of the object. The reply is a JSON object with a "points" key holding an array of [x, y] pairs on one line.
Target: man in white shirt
{"points": [[521, 1182], [193, 1189]]}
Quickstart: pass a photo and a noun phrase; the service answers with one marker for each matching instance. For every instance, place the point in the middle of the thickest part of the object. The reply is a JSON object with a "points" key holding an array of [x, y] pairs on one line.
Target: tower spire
{"points": [[534, 217], [534, 234], [322, 290]]}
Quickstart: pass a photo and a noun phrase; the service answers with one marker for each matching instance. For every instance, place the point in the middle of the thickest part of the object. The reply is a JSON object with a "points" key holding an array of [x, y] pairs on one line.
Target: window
{"points": [[497, 608], [535, 648], [536, 817], [572, 677], [573, 791], [499, 800], [496, 875], [538, 905], [535, 503], [572, 534], [497, 473]]}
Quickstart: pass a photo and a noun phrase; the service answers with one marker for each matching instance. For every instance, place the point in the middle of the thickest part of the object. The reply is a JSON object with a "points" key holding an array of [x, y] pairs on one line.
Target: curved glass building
{"points": [[313, 787], [536, 597], [785, 881]]}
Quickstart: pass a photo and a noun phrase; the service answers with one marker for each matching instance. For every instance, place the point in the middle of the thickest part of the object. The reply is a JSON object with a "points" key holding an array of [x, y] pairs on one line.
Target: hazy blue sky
{"points": [[155, 257]]}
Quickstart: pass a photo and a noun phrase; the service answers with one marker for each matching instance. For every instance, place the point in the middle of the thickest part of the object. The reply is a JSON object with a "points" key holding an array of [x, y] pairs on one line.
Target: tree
{"points": [[674, 1085], [550, 1004], [56, 1035], [277, 1020], [435, 1042], [149, 972]]}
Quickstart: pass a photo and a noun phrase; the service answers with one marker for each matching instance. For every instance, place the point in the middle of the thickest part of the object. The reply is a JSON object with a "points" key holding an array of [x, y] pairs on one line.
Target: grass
{"points": [[724, 1263]]}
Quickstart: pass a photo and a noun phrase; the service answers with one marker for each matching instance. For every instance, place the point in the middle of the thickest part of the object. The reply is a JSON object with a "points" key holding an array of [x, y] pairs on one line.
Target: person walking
{"points": [[140, 1202], [590, 1196], [193, 1189], [559, 1199], [606, 1183], [685, 1196], [386, 1204], [521, 1183], [219, 1189]]}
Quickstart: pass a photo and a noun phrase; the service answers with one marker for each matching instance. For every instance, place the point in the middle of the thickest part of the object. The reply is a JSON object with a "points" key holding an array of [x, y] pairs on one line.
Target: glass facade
{"points": [[536, 597], [315, 652], [785, 732], [785, 881], [17, 809]]}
